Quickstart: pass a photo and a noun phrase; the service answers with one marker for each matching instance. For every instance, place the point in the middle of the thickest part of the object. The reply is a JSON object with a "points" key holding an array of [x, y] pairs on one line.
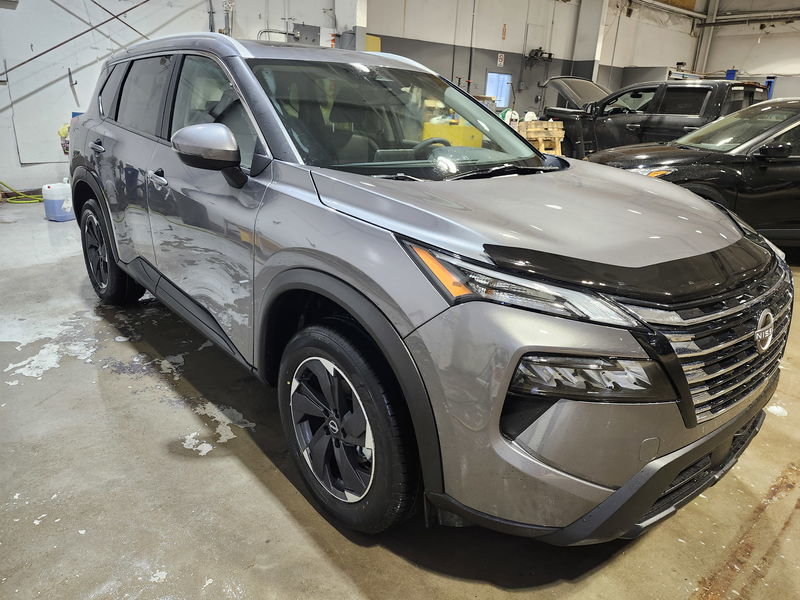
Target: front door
{"points": [[202, 226], [769, 197], [620, 119]]}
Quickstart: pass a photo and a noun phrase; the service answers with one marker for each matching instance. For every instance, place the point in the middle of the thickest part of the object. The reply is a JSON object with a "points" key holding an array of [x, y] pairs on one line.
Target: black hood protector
{"points": [[672, 282]]}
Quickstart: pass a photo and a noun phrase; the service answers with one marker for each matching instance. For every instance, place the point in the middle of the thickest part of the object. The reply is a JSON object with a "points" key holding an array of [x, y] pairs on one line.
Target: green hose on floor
{"points": [[21, 198]]}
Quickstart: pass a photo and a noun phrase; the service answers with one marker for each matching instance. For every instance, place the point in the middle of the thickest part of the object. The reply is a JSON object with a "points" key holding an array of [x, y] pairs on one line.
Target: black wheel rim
{"points": [[332, 429], [96, 251]]}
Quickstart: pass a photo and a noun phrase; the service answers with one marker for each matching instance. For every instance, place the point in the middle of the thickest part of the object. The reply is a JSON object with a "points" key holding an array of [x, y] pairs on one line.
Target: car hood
{"points": [[663, 154], [577, 90], [598, 218]]}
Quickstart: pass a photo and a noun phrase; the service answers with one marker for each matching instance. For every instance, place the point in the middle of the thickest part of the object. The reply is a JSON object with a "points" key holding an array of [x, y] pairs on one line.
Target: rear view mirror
{"points": [[774, 151], [210, 146]]}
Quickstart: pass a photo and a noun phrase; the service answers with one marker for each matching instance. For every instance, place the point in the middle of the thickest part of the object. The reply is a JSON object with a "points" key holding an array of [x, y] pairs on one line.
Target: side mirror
{"points": [[590, 108], [210, 146], [774, 151]]}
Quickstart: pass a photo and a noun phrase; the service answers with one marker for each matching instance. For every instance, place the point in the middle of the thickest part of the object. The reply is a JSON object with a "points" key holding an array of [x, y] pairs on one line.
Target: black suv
{"points": [[658, 111]]}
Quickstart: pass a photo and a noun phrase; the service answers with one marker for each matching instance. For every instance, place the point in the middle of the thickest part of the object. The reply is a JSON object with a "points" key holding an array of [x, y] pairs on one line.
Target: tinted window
{"points": [[740, 97], [791, 137], [206, 96], [737, 128], [142, 92], [634, 101], [107, 107], [684, 101]]}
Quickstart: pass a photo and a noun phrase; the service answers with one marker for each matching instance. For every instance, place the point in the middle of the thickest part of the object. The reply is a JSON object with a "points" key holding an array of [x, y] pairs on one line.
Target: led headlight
{"points": [[652, 171], [592, 379], [461, 281]]}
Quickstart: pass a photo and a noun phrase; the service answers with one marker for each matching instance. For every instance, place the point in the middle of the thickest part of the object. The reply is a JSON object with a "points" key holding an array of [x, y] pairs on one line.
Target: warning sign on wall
{"points": [[501, 59]]}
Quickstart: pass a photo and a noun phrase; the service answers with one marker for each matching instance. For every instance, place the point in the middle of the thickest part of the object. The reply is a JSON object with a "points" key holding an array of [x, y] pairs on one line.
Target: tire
{"points": [[368, 487], [111, 284]]}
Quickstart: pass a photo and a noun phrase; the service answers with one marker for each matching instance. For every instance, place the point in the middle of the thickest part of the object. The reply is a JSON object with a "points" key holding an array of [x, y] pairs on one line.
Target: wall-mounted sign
{"points": [[501, 59]]}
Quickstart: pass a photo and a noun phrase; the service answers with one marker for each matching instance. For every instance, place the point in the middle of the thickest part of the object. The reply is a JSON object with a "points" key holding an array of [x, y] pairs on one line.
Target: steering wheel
{"points": [[419, 149]]}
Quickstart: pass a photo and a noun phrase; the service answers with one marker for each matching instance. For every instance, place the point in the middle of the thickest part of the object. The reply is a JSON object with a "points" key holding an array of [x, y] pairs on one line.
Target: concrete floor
{"points": [[138, 461]]}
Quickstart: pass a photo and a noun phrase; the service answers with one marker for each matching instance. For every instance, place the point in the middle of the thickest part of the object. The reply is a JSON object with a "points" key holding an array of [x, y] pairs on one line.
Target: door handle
{"points": [[97, 146], [633, 126], [690, 128], [157, 178]]}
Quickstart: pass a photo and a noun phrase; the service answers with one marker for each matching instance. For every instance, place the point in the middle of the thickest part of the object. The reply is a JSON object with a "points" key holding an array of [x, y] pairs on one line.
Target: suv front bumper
{"points": [[583, 480]]}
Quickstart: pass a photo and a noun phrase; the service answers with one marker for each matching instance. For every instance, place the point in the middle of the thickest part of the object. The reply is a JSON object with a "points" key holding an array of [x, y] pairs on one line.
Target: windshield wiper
{"points": [[399, 176], [506, 169]]}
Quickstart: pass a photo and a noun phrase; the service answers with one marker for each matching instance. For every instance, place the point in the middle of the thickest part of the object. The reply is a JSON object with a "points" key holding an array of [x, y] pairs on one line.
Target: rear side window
{"points": [[740, 97], [141, 100], [109, 92], [684, 101]]}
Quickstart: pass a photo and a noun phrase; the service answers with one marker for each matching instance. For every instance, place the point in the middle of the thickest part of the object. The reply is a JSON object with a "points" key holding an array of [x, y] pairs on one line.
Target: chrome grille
{"points": [[714, 340]]}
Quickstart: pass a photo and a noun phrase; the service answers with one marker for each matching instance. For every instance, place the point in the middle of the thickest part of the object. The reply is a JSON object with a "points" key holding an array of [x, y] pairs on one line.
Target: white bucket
{"points": [[58, 201]]}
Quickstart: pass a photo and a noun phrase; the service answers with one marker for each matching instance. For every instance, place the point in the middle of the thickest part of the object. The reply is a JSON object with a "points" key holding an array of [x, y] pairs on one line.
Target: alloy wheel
{"points": [[96, 250], [332, 429]]}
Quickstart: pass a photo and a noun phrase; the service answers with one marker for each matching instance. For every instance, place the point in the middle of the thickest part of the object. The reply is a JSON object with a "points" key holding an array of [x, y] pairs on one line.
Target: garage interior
{"points": [[140, 461]]}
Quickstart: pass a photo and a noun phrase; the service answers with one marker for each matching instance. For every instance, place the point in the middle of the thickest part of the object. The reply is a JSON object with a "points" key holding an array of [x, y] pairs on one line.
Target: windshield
{"points": [[385, 121], [732, 131]]}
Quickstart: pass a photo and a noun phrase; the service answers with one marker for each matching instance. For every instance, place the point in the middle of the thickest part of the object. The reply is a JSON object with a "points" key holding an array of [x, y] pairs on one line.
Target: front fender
{"points": [[385, 337]]}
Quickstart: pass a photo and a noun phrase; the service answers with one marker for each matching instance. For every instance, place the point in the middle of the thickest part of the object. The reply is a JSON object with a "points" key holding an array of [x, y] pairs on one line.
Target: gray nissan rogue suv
{"points": [[452, 319]]}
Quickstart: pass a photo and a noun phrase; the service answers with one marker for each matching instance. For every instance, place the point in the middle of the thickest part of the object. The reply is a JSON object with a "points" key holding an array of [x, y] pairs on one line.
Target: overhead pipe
{"points": [[292, 34], [671, 9], [748, 20], [211, 16]]}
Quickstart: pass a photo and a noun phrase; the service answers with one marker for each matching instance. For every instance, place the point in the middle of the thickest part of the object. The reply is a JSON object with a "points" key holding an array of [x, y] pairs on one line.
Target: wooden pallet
{"points": [[546, 136]]}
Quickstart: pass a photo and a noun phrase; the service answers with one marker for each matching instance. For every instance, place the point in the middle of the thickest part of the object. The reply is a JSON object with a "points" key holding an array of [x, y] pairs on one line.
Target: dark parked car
{"points": [[657, 111], [748, 161]]}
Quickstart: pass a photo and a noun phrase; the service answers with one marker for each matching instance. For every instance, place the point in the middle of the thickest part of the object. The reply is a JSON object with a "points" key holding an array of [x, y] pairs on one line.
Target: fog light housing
{"points": [[592, 378]]}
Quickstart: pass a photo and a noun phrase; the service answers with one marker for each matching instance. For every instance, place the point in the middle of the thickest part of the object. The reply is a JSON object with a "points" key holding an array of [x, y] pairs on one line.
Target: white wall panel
{"points": [[39, 99], [750, 49], [648, 38]]}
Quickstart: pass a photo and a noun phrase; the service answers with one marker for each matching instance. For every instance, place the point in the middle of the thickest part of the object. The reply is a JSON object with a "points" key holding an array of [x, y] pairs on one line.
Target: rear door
{"points": [[202, 226], [621, 118], [122, 144], [680, 110]]}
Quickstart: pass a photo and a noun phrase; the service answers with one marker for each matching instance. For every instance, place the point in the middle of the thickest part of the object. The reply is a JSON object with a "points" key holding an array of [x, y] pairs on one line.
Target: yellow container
{"points": [[454, 132]]}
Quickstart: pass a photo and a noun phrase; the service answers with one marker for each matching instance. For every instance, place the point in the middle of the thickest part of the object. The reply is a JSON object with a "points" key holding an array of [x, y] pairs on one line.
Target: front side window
{"points": [[792, 138], [635, 101], [205, 95], [684, 100], [386, 121], [142, 93], [738, 128]]}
